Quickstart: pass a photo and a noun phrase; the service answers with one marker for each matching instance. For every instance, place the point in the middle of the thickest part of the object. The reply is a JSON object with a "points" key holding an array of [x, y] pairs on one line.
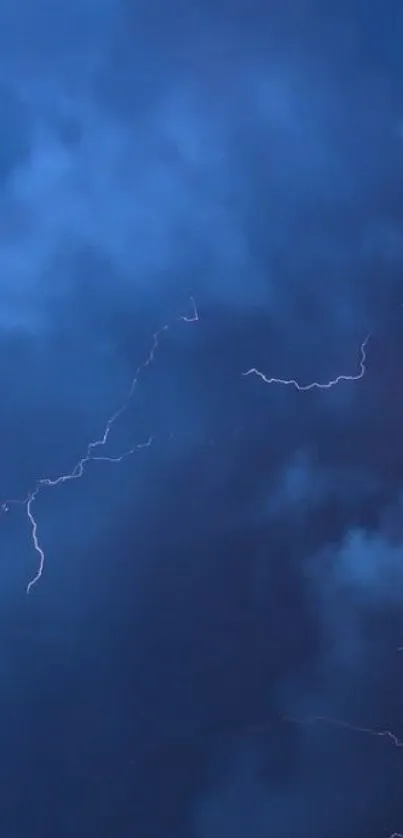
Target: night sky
{"points": [[213, 646]]}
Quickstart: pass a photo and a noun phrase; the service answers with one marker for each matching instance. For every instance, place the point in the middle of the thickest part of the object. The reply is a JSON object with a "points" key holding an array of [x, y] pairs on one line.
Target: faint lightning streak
{"points": [[79, 468], [316, 385], [327, 720], [384, 734]]}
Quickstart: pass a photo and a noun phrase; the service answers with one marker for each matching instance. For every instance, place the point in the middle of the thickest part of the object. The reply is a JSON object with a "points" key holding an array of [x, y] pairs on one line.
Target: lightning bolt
{"points": [[89, 456], [316, 385]]}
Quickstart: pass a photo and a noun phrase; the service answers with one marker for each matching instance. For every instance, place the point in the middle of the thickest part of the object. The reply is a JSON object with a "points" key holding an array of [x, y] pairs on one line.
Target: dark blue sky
{"points": [[203, 602]]}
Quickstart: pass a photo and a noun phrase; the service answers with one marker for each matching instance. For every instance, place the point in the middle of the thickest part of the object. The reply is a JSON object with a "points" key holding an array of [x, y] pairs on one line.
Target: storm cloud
{"points": [[207, 599]]}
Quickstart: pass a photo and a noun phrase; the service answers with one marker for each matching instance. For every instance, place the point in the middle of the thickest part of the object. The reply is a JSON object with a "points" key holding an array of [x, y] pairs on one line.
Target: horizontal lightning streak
{"points": [[89, 456], [327, 720], [316, 385]]}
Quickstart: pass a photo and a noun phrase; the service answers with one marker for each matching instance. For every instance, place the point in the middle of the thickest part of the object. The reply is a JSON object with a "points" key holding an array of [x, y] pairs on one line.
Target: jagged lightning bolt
{"points": [[317, 385], [89, 455]]}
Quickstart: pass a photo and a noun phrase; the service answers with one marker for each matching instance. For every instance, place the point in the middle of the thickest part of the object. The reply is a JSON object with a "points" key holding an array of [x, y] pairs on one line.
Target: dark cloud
{"points": [[205, 600]]}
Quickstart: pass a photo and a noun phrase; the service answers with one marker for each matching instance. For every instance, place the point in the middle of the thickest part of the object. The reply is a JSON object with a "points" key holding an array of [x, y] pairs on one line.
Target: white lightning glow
{"points": [[89, 455]]}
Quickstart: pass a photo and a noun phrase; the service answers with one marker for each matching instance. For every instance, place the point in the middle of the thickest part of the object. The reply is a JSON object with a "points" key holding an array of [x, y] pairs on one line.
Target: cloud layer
{"points": [[207, 597]]}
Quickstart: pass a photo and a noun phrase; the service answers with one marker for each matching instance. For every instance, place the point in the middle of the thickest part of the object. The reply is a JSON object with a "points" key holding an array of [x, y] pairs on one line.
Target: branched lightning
{"points": [[89, 455], [317, 385]]}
